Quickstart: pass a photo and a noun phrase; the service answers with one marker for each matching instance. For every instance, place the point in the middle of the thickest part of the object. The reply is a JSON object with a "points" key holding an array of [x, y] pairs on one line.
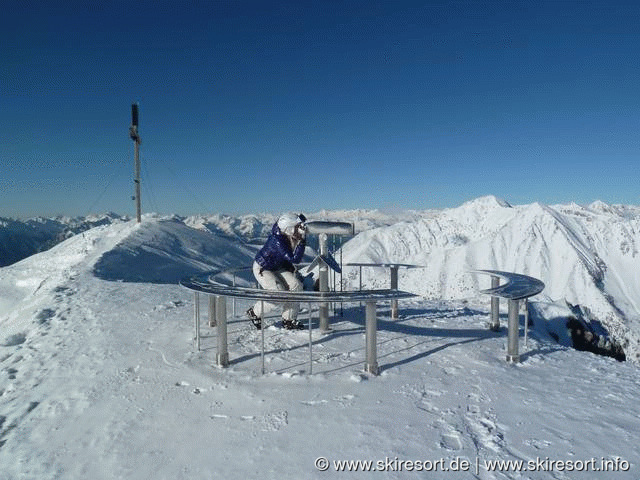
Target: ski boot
{"points": [[292, 324], [256, 320]]}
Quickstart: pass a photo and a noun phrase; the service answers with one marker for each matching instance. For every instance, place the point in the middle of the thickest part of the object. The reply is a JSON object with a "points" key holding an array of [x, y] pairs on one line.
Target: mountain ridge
{"points": [[585, 255]]}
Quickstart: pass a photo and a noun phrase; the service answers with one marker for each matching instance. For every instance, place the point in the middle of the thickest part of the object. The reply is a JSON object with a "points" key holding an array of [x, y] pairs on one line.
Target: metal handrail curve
{"points": [[206, 283], [517, 286]]}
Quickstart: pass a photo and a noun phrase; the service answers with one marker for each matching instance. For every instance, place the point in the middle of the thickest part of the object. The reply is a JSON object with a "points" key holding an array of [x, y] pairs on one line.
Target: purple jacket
{"points": [[276, 254]]}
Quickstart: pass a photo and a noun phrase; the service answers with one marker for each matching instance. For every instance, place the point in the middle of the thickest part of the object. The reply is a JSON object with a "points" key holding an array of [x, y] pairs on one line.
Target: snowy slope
{"points": [[25, 282], [20, 239], [99, 379], [165, 249], [584, 255]]}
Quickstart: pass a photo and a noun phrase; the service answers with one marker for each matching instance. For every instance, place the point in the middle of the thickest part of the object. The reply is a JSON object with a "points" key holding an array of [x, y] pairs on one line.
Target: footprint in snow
{"points": [[15, 340], [484, 430], [451, 441], [313, 403], [272, 422], [219, 416], [44, 316]]}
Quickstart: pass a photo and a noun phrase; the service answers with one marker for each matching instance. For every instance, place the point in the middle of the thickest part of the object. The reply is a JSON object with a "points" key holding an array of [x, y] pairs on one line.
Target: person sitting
{"points": [[274, 268]]}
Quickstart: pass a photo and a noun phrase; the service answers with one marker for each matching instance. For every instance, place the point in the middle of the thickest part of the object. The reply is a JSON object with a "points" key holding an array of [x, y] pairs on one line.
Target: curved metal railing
{"points": [[517, 287], [209, 284]]}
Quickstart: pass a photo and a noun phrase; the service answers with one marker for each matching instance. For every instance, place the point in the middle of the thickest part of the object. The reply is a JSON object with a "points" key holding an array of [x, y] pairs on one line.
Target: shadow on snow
{"points": [[423, 335]]}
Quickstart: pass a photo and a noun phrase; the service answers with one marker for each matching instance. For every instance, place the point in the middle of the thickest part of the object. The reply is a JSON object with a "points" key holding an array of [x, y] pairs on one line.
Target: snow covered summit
{"points": [[99, 377]]}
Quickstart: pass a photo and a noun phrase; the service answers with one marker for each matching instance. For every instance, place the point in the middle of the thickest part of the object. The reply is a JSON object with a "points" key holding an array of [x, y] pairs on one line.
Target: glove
{"points": [[300, 232]]}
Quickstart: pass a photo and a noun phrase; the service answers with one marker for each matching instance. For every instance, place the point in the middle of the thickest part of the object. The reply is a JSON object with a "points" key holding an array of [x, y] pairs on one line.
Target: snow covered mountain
{"points": [[20, 239], [99, 377], [586, 256]]}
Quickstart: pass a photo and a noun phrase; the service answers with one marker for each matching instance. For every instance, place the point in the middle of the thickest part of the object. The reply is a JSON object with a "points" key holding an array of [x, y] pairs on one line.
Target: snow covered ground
{"points": [[99, 377]]}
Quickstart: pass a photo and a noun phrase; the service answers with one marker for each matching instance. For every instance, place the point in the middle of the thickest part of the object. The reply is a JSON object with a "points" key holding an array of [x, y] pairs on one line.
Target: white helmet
{"points": [[287, 222]]}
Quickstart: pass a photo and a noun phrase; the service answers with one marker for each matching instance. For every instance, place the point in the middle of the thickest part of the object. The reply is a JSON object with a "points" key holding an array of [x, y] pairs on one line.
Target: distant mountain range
{"points": [[20, 239]]}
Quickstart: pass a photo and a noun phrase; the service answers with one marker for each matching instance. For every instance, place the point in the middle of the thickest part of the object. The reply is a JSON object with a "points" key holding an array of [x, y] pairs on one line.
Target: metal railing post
{"points": [[310, 343], [323, 278], [212, 310], [341, 281], [526, 320], [233, 300], [513, 334], [371, 363], [262, 327], [222, 357], [196, 314], [394, 286], [494, 321], [360, 278]]}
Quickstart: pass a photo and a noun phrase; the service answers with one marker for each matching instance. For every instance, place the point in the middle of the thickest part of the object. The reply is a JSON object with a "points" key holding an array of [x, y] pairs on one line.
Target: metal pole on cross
{"points": [[133, 133]]}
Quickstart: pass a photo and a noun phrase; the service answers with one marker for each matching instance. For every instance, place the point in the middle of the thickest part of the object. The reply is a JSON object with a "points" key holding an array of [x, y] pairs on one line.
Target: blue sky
{"points": [[250, 107]]}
